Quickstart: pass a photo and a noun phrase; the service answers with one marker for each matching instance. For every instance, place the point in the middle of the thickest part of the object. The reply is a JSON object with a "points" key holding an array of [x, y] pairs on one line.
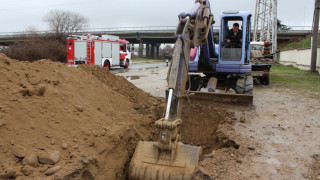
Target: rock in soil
{"points": [[31, 160], [51, 158], [19, 152], [52, 170], [64, 145], [243, 119], [27, 170], [10, 172]]}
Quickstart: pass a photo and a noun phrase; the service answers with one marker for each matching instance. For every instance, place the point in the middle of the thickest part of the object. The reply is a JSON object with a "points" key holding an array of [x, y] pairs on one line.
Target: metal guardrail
{"points": [[293, 29], [146, 28], [113, 29]]}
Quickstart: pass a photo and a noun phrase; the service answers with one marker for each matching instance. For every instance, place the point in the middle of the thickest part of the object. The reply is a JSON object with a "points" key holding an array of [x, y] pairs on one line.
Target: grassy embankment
{"points": [[146, 60], [302, 44], [292, 77]]}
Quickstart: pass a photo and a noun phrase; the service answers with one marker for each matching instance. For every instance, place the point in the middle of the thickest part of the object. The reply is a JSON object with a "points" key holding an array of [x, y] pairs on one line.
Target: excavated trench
{"points": [[207, 126], [203, 125]]}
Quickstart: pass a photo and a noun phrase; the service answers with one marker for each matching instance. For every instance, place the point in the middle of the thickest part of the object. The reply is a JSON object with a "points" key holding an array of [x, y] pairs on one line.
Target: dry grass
{"points": [[37, 48]]}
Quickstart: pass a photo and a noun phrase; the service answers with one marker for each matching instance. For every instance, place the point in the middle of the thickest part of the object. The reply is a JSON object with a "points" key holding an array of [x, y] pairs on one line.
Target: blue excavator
{"points": [[201, 69]]}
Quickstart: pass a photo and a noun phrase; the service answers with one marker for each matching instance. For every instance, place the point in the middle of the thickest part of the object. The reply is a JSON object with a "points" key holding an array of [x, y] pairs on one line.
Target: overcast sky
{"points": [[19, 15]]}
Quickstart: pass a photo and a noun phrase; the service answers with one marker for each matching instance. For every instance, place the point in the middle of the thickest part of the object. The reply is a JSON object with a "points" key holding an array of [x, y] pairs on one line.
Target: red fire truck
{"points": [[107, 51]]}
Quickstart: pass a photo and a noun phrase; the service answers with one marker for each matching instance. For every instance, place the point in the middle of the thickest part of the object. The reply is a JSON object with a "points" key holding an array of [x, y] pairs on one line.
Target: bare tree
{"points": [[65, 22], [31, 30], [167, 49]]}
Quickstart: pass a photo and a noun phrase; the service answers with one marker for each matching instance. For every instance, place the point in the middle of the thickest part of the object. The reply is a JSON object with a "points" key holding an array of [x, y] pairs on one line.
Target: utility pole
{"points": [[315, 36]]}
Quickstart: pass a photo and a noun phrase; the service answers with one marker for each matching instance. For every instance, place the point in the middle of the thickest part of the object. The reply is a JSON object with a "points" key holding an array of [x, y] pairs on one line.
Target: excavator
{"points": [[199, 68]]}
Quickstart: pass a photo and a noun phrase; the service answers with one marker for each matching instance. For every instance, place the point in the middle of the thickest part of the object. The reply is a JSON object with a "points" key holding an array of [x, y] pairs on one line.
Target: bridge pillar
{"points": [[152, 51], [140, 49], [147, 50], [157, 51]]}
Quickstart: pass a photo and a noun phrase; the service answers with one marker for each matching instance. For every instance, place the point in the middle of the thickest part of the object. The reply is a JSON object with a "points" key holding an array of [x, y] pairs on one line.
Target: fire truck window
{"points": [[128, 47], [122, 46]]}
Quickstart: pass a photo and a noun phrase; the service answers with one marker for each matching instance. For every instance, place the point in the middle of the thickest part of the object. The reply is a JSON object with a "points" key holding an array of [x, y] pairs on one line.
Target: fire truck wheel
{"points": [[107, 65], [126, 64]]}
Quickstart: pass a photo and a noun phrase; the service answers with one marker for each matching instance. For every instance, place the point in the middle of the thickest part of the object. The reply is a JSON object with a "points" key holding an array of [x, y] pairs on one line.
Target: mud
{"points": [[59, 122], [278, 138]]}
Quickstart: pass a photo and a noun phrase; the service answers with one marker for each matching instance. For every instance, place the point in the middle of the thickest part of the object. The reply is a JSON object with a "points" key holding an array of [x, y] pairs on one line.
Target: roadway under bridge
{"points": [[148, 38]]}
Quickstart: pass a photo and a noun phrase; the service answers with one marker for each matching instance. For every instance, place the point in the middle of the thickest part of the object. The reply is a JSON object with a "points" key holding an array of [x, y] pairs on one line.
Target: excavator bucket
{"points": [[148, 164]]}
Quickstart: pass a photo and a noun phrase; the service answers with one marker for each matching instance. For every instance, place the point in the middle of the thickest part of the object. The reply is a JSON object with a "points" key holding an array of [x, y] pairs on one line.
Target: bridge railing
{"points": [[145, 28], [94, 30], [24, 33], [294, 29], [297, 29], [302, 28]]}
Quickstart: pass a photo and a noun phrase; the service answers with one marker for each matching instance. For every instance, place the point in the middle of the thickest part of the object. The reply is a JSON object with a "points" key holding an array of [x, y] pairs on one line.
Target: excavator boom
{"points": [[168, 158]]}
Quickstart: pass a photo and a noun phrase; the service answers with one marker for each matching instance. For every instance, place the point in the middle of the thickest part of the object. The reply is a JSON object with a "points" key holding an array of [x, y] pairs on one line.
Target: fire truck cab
{"points": [[107, 51]]}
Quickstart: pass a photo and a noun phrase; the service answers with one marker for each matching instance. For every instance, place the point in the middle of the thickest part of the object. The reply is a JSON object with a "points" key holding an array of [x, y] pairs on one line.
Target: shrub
{"points": [[37, 48]]}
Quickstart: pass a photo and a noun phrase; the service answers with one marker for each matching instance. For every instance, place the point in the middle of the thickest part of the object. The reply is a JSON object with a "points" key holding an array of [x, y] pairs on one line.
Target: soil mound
{"points": [[82, 122], [60, 122]]}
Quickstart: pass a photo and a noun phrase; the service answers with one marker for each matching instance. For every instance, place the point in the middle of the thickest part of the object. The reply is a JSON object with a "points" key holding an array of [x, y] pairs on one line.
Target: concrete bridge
{"points": [[152, 37]]}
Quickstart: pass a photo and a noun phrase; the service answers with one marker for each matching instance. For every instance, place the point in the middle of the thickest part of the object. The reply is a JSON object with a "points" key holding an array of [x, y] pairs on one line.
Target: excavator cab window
{"points": [[231, 39]]}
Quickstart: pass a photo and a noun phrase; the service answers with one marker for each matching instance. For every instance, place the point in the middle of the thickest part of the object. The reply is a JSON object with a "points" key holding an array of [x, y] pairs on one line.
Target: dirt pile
{"points": [[59, 122], [68, 123], [314, 169]]}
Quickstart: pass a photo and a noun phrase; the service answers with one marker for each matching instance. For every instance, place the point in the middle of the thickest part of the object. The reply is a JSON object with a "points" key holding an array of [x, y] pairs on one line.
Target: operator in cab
{"points": [[234, 37]]}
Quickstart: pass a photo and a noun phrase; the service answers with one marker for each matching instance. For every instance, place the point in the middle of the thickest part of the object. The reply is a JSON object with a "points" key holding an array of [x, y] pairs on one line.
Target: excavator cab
{"points": [[234, 42]]}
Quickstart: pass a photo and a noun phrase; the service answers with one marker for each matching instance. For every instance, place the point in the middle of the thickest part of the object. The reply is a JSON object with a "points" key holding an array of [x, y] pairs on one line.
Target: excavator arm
{"points": [[168, 158], [192, 31]]}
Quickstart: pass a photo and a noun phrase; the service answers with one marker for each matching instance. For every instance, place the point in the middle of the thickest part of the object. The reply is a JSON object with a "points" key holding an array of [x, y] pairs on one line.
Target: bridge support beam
{"points": [[140, 49], [152, 51], [147, 50], [157, 51]]}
